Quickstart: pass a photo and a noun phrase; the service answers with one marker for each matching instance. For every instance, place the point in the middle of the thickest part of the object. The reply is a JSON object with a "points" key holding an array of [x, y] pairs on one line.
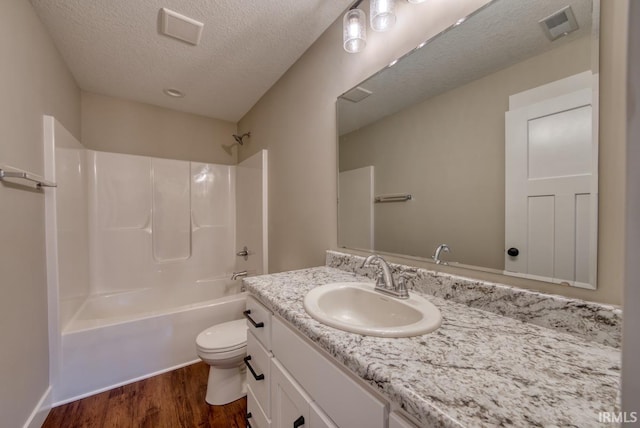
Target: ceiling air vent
{"points": [[559, 24], [356, 94], [180, 27]]}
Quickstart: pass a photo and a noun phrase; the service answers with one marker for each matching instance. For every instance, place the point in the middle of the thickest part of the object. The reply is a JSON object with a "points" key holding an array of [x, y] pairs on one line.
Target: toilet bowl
{"points": [[223, 348]]}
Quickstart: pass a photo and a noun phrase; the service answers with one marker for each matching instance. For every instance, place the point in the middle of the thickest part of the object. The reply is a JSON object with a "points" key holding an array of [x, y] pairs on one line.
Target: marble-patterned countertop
{"points": [[478, 369]]}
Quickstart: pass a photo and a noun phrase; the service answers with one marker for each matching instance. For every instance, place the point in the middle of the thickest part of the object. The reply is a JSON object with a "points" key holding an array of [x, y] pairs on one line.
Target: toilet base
{"points": [[226, 385]]}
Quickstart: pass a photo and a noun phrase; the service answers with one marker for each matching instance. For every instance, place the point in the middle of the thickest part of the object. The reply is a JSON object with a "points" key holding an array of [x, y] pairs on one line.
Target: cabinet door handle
{"points": [[253, 372], [255, 324], [298, 422], [248, 417]]}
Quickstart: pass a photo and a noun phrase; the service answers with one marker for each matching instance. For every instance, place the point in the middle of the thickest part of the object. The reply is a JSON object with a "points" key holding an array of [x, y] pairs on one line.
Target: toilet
{"points": [[223, 347]]}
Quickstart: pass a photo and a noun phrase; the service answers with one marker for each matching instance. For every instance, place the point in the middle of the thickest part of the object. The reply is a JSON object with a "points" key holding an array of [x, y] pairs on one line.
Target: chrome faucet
{"points": [[436, 257], [240, 274], [384, 280]]}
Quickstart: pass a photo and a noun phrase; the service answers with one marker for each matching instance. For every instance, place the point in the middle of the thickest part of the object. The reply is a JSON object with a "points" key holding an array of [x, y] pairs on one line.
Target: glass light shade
{"points": [[416, 1], [354, 31], [383, 14]]}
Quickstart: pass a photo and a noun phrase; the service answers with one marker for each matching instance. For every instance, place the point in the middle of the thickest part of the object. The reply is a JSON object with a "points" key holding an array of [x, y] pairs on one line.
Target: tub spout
{"points": [[240, 274]]}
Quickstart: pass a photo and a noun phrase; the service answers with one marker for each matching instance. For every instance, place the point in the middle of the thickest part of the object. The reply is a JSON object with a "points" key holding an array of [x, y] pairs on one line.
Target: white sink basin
{"points": [[357, 308]]}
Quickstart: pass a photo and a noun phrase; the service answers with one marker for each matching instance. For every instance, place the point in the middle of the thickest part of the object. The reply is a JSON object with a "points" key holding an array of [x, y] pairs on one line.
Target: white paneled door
{"points": [[551, 190]]}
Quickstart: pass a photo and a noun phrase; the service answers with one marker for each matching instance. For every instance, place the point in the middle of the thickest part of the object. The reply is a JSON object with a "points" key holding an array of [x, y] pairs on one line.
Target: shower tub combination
{"points": [[139, 255], [119, 338]]}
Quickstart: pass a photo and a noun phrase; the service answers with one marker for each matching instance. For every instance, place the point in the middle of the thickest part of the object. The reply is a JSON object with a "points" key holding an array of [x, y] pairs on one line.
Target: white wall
{"points": [[34, 81], [296, 121], [122, 126], [631, 333]]}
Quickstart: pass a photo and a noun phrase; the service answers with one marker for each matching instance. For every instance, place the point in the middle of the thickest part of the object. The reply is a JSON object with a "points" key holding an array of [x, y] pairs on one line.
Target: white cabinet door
{"points": [[256, 417], [551, 190], [397, 421], [290, 405], [318, 419], [345, 400]]}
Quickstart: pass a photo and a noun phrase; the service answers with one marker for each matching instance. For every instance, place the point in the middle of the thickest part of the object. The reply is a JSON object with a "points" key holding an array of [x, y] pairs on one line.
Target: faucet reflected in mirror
{"points": [[436, 257], [241, 274]]}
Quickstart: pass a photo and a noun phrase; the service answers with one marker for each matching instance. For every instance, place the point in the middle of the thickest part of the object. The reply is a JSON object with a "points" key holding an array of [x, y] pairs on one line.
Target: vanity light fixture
{"points": [[354, 30], [383, 14], [354, 25]]}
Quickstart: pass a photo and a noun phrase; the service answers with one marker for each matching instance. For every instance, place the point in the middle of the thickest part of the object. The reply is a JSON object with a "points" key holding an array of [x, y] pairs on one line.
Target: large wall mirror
{"points": [[483, 139]]}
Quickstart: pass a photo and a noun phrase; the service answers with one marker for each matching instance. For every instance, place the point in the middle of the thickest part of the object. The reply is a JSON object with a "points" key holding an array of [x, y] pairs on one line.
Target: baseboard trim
{"points": [[40, 412], [126, 382]]}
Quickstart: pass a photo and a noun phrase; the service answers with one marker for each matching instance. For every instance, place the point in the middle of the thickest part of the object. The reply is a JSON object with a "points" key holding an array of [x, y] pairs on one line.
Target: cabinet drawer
{"points": [[258, 359], [346, 402], [258, 418], [261, 316]]}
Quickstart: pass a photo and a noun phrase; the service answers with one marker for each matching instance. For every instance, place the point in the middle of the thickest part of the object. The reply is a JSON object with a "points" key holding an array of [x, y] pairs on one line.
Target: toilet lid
{"points": [[224, 337]]}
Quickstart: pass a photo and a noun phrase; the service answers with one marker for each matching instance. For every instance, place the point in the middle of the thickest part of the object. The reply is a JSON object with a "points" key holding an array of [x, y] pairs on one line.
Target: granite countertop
{"points": [[478, 369]]}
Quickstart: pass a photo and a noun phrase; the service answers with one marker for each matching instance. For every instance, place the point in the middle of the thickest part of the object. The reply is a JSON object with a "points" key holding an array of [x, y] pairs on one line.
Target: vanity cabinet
{"points": [[329, 386], [301, 387]]}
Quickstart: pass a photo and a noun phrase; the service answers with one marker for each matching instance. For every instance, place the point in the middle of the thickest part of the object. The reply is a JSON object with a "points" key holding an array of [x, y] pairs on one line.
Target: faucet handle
{"points": [[406, 275], [401, 285]]}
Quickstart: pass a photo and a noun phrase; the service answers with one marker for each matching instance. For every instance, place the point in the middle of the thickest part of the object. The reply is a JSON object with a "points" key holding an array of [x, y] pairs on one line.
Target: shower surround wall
{"points": [[140, 252], [69, 217], [159, 222]]}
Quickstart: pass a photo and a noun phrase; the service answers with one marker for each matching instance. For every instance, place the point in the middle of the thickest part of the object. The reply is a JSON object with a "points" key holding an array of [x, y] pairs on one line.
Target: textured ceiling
{"points": [[502, 34], [113, 47]]}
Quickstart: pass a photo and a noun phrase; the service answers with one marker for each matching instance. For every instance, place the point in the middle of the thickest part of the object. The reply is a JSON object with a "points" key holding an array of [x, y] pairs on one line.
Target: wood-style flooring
{"points": [[170, 400]]}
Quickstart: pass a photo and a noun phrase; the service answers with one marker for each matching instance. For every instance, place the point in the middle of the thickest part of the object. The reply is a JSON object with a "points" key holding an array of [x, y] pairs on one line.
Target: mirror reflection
{"points": [[484, 141]]}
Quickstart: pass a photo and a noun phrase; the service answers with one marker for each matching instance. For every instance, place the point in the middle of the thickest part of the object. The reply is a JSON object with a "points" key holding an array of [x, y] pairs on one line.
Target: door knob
{"points": [[513, 252]]}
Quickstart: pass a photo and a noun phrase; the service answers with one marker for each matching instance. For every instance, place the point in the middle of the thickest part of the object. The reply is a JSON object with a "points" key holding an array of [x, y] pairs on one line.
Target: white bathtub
{"points": [[124, 337]]}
